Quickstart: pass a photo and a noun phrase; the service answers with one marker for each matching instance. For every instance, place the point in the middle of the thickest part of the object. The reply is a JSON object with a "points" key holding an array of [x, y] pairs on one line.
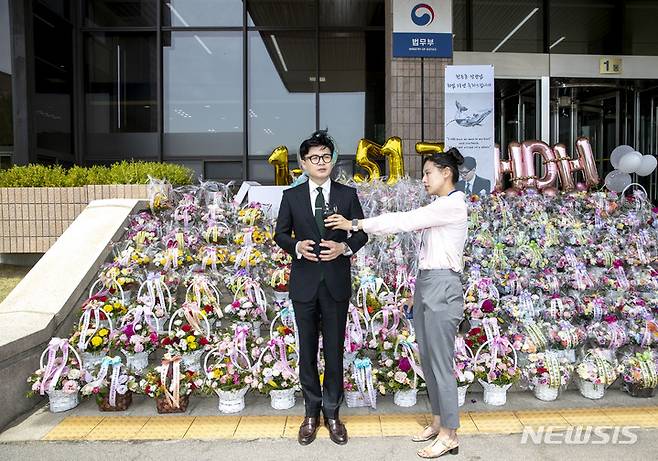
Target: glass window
{"points": [[282, 13], [61, 7], [53, 81], [6, 125], [514, 26], [121, 13], [364, 13], [203, 93], [640, 19], [120, 95], [184, 13], [460, 18], [585, 27], [352, 90], [281, 90]]}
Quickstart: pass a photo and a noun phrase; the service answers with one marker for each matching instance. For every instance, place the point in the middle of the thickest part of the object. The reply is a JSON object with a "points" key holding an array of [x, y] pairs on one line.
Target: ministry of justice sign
{"points": [[422, 29]]}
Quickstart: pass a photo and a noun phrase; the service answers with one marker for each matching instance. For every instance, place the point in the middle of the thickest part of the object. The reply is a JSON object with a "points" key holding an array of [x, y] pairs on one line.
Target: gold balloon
{"points": [[428, 148], [279, 159], [367, 151]]}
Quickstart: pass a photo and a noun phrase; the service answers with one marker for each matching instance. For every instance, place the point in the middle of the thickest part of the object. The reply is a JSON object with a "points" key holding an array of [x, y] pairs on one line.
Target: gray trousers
{"points": [[438, 310]]}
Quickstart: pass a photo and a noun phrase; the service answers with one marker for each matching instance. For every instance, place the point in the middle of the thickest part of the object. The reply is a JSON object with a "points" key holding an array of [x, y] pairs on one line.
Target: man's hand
{"points": [[305, 248], [333, 250]]}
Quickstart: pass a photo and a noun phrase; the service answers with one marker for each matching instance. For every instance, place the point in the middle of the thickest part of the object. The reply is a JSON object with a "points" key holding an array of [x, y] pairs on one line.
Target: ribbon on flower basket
{"points": [[604, 371], [245, 251], [155, 291], [125, 256], [582, 278], [202, 285], [536, 335], [367, 284], [171, 256], [526, 305], [461, 350], [241, 333], [556, 307], [212, 232], [353, 329], [391, 310], [256, 295], [497, 344], [280, 344], [85, 321], [498, 259], [648, 371], [553, 283], [52, 372], [617, 335], [410, 348], [362, 369], [145, 312], [174, 362], [116, 386], [553, 367], [650, 333], [534, 253], [192, 314], [597, 309], [209, 257]]}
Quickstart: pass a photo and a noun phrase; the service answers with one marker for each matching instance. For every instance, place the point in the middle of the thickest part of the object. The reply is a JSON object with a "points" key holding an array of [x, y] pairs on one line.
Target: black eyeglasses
{"points": [[315, 159]]}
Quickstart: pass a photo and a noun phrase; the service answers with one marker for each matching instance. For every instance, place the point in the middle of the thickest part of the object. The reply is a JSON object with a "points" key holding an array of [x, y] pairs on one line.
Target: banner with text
{"points": [[469, 124]]}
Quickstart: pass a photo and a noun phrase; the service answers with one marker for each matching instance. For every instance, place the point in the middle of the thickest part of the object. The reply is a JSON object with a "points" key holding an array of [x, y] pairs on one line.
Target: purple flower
{"points": [[404, 364]]}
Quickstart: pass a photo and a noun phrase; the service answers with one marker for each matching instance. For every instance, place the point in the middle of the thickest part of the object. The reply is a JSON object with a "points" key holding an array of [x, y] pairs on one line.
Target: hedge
{"points": [[119, 173]]}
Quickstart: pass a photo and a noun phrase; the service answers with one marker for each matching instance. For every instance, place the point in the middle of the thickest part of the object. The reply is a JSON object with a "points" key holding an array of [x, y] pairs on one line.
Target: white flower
{"points": [[387, 345], [74, 373], [389, 362]]}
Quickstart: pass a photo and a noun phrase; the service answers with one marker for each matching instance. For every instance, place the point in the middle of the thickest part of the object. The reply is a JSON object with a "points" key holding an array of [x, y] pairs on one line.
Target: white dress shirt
{"points": [[326, 191], [444, 225]]}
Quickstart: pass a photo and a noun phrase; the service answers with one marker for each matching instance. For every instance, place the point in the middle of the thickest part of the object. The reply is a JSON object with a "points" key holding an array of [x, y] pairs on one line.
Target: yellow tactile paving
{"points": [[260, 427], [498, 422], [117, 428], [363, 426], [105, 427], [402, 424], [165, 428], [73, 428], [213, 427], [632, 417], [542, 418], [585, 416], [466, 424]]}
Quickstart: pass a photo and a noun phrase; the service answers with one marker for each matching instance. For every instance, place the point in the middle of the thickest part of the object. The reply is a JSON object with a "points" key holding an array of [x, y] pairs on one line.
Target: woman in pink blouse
{"points": [[438, 298]]}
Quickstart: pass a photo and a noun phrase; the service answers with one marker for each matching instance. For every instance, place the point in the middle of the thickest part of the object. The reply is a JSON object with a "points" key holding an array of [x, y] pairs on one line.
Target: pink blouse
{"points": [[444, 227]]}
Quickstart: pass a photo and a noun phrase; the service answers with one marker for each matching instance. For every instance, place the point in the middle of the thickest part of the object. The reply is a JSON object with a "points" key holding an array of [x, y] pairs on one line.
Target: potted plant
{"points": [[399, 372], [188, 334], [60, 375], [137, 337], [276, 371], [113, 388], [564, 338], [170, 384], [496, 369], [360, 382], [595, 372]]}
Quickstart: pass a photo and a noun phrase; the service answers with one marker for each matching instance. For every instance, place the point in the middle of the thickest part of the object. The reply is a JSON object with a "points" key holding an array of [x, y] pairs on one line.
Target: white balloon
{"points": [[647, 165], [617, 180], [617, 153], [630, 162]]}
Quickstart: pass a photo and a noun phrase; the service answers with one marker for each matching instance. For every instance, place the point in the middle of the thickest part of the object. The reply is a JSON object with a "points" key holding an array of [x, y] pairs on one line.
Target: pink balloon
{"points": [[586, 162], [501, 167], [530, 148], [549, 191], [581, 186], [564, 167]]}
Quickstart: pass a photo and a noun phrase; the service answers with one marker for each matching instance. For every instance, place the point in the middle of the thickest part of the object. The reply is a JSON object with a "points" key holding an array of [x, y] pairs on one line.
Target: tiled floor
{"points": [[114, 427]]}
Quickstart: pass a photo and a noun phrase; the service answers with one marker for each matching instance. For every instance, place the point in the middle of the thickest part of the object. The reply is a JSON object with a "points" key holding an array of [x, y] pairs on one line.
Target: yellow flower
{"points": [[124, 271], [117, 305], [217, 373], [189, 258], [96, 341], [272, 383], [192, 345], [121, 280], [108, 308], [103, 332], [190, 339], [163, 261]]}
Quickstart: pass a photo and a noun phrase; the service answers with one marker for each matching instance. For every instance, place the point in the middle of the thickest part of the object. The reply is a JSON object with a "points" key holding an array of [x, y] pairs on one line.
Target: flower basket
{"points": [[122, 402], [62, 401], [461, 395], [231, 401], [164, 405], [356, 399], [137, 362], [494, 394], [282, 399], [636, 390], [546, 393], [406, 398]]}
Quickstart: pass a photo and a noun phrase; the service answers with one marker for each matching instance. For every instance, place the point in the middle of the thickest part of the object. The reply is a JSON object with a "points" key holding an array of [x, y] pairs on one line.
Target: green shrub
{"points": [[119, 173]]}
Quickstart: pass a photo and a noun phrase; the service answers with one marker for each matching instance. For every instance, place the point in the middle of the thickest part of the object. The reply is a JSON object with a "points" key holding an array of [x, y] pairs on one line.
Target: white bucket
{"points": [[590, 390], [281, 296], [61, 401], [231, 401], [137, 362], [494, 394], [91, 359], [282, 399], [461, 395], [546, 393], [192, 360], [356, 399], [405, 398]]}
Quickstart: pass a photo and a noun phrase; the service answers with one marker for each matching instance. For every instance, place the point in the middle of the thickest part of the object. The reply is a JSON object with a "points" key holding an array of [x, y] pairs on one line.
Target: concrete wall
{"points": [[45, 303]]}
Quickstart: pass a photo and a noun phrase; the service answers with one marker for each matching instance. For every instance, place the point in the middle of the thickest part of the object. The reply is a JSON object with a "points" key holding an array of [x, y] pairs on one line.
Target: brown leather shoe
{"points": [[337, 431], [308, 430]]}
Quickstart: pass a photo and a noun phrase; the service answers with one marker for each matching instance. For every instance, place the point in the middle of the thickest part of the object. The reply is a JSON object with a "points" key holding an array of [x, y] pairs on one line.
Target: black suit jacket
{"points": [[296, 222], [479, 184]]}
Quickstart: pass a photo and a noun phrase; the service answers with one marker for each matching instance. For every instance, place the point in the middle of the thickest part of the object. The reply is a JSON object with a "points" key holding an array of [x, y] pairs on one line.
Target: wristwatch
{"points": [[355, 225]]}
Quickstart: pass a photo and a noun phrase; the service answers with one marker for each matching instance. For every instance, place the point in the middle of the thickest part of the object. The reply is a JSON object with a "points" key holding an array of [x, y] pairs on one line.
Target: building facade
{"points": [[218, 84]]}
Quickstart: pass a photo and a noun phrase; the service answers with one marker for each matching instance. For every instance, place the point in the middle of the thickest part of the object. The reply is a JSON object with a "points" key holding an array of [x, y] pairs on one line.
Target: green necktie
{"points": [[319, 207]]}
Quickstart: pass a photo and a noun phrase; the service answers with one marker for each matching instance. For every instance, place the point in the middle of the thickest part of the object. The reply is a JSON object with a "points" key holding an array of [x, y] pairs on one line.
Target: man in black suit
{"points": [[320, 280], [470, 182]]}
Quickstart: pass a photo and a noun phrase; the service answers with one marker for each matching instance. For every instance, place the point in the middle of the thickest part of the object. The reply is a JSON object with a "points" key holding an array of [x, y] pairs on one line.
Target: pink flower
{"points": [[404, 364], [487, 306], [70, 387]]}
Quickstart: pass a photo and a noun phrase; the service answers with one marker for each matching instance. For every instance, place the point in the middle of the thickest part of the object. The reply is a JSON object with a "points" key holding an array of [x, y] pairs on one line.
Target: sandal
{"points": [[429, 453], [421, 438]]}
